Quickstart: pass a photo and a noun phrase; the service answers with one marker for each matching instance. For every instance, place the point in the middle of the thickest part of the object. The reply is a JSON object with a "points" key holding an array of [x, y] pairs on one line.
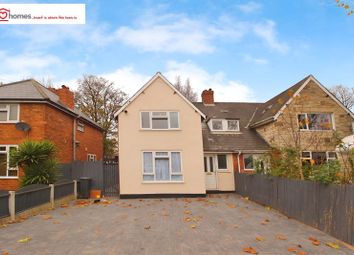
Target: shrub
{"points": [[326, 173], [37, 158]]}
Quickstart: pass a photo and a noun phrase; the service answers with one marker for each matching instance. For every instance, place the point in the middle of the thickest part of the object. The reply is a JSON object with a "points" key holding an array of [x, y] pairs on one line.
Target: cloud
{"points": [[249, 7], [266, 31], [250, 59]]}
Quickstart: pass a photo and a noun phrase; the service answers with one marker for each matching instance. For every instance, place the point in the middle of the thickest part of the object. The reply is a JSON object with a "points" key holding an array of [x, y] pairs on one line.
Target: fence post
{"points": [[75, 189], [52, 195], [12, 210]]}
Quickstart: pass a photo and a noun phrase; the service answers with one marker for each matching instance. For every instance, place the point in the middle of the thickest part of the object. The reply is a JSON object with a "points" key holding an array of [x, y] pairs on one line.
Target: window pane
{"points": [[176, 178], [222, 164], [302, 121], [11, 150], [12, 172], [148, 162], [176, 162], [232, 125], [3, 164], [3, 106], [159, 123], [159, 114], [161, 154], [3, 116], [2, 148], [13, 111], [211, 164], [248, 160], [162, 170], [306, 154], [148, 177], [332, 155], [205, 164], [145, 120], [320, 121], [217, 124], [174, 123], [319, 157]]}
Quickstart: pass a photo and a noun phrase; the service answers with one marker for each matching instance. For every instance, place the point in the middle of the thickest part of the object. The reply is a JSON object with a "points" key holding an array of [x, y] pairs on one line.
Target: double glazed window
{"points": [[7, 170], [224, 125], [249, 161], [315, 121], [159, 120], [318, 157], [162, 166], [9, 113]]}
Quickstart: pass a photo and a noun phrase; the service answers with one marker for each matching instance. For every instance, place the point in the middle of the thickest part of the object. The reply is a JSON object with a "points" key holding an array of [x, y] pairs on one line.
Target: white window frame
{"points": [[217, 162], [224, 123], [91, 157], [8, 113], [8, 146], [80, 126], [161, 129], [327, 155], [315, 130], [169, 163]]}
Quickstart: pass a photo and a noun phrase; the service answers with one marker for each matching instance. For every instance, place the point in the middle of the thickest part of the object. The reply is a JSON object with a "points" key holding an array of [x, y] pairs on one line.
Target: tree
{"points": [[186, 89], [344, 94], [346, 5], [38, 161], [99, 99]]}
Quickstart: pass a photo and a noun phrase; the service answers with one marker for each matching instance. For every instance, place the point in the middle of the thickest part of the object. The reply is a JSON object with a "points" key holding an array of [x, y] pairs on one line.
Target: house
{"points": [[168, 145], [29, 110]]}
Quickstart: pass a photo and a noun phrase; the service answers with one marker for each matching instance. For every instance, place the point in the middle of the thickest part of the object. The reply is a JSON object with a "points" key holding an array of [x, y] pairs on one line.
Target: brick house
{"points": [[158, 122], [51, 115]]}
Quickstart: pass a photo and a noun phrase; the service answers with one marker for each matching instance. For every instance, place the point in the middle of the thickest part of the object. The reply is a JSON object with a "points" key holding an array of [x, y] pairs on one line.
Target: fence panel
{"points": [[31, 196], [63, 189], [111, 178], [4, 204], [327, 207]]}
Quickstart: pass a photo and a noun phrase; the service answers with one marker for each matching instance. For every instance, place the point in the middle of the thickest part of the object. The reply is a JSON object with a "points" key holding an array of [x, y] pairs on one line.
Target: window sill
{"points": [[307, 130], [162, 182], [8, 177], [170, 129], [9, 122], [224, 171], [249, 170], [225, 132]]}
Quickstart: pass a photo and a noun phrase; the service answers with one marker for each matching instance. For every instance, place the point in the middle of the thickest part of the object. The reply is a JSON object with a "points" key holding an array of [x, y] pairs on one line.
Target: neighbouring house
{"points": [[49, 114], [168, 145]]}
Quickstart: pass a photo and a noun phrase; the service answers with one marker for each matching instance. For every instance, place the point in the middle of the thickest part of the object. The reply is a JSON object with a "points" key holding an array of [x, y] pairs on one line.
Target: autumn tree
{"points": [[346, 5], [186, 89], [344, 94], [99, 99]]}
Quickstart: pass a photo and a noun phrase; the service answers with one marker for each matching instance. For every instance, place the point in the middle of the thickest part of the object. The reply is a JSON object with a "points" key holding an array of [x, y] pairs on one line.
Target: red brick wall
{"points": [[242, 166], [91, 142]]}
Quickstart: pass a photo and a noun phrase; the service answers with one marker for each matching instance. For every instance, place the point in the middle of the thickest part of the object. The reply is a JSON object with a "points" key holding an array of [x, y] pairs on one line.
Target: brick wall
{"points": [[312, 99], [91, 142]]}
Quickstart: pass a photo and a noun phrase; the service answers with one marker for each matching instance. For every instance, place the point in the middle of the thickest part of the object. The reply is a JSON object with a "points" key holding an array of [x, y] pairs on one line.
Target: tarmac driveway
{"points": [[218, 224]]}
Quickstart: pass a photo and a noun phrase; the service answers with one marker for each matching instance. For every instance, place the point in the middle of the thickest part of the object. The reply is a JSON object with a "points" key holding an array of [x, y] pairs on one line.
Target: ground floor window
{"points": [[318, 157], [91, 157], [7, 170], [253, 161], [162, 166]]}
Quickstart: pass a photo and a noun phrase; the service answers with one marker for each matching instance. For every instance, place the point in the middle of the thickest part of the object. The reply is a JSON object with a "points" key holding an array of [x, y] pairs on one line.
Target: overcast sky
{"points": [[244, 50]]}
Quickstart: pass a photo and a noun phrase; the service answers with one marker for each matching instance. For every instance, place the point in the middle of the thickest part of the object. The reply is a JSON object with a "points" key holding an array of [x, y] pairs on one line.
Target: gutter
{"points": [[262, 122]]}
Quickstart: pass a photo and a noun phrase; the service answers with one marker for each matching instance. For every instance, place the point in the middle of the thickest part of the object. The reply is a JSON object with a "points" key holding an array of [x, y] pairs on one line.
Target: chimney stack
{"points": [[208, 97], [65, 96]]}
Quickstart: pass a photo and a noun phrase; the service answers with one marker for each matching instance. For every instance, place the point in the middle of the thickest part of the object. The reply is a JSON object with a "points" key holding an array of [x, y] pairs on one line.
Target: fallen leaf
{"points": [[231, 205], [147, 227], [259, 238], [24, 240], [268, 208], [5, 253], [332, 245], [235, 226], [64, 205], [301, 253], [246, 198], [221, 222], [64, 213], [281, 237], [47, 217], [187, 212], [193, 226], [291, 249], [250, 250], [187, 219]]}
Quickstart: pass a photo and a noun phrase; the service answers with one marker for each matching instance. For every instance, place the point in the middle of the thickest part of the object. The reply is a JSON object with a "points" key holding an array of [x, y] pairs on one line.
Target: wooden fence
{"points": [[329, 208]]}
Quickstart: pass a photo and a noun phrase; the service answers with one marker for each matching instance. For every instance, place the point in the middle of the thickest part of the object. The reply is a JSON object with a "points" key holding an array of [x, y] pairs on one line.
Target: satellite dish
{"points": [[22, 126]]}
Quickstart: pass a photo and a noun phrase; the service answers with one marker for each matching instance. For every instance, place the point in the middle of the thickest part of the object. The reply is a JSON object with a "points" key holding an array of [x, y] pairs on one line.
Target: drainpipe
{"points": [[238, 161], [74, 138]]}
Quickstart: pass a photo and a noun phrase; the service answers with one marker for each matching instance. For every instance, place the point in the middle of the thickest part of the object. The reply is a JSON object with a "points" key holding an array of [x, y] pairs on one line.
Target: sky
{"points": [[243, 50]]}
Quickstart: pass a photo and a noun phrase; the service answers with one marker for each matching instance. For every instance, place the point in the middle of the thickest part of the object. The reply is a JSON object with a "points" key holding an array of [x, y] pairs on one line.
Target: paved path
{"points": [[220, 224]]}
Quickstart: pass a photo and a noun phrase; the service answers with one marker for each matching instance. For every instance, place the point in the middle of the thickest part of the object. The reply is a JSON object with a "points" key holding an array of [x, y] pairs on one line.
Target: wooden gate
{"points": [[110, 178]]}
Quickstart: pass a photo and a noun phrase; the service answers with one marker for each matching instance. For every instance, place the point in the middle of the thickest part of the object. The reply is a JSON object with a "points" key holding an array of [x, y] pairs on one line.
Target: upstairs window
{"points": [[9, 113], [225, 125], [315, 121], [161, 120]]}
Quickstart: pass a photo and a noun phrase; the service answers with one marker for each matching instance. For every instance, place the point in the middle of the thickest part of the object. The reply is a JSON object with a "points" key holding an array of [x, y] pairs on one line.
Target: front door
{"points": [[210, 173]]}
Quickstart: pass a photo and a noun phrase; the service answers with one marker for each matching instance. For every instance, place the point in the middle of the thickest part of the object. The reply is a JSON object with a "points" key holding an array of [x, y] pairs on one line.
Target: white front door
{"points": [[210, 172]]}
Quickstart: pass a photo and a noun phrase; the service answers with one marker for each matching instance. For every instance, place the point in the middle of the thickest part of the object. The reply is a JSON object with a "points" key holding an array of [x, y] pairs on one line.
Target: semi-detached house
{"points": [[170, 146], [49, 114]]}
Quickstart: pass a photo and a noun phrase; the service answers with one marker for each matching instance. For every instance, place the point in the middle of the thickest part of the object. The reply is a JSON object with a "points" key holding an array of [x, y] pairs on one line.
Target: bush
{"points": [[37, 158], [326, 173]]}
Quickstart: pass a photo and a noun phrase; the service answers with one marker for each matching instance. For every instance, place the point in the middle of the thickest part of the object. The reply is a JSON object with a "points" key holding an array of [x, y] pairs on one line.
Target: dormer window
{"points": [[224, 125]]}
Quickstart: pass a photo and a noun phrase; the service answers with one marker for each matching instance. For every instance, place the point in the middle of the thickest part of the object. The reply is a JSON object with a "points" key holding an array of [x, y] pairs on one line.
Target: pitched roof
{"points": [[247, 140], [157, 75], [270, 110], [31, 90]]}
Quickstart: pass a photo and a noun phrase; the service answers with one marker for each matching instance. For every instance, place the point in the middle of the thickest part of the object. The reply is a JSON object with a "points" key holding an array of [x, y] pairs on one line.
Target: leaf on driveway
{"points": [[231, 205], [246, 198], [265, 222], [187, 212], [292, 249], [24, 240], [268, 208], [221, 222], [259, 238], [5, 253], [314, 241], [147, 227], [187, 219], [332, 245], [193, 226], [281, 237], [250, 250], [64, 205]]}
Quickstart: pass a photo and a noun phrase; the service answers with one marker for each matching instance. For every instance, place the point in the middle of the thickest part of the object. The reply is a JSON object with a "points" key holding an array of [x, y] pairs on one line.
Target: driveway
{"points": [[218, 224]]}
